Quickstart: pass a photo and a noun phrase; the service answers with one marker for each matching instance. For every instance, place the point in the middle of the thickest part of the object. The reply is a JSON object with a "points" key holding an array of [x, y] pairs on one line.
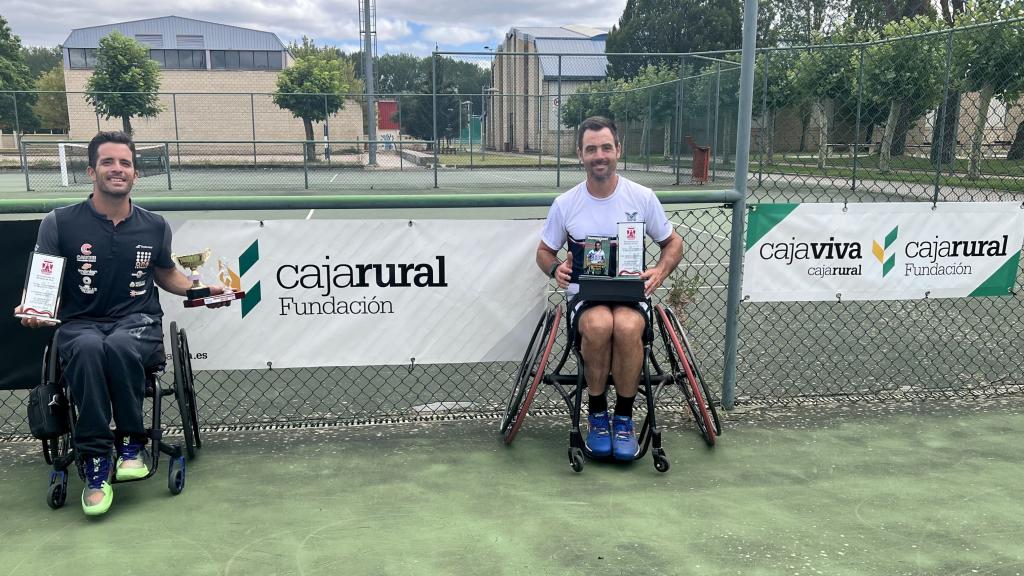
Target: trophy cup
{"points": [[198, 294]]}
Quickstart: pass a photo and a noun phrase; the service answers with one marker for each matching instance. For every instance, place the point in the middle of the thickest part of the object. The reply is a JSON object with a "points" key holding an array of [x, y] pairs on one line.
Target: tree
{"points": [[313, 88], [398, 73], [594, 99], [673, 26], [649, 97], [780, 92], [42, 59], [15, 107], [944, 144], [823, 75], [52, 107], [905, 72], [988, 57], [125, 81], [457, 82]]}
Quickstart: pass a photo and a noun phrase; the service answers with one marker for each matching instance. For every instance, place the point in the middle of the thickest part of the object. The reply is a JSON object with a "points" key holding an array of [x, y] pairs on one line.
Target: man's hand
{"points": [[564, 272], [34, 322], [653, 277], [216, 290]]}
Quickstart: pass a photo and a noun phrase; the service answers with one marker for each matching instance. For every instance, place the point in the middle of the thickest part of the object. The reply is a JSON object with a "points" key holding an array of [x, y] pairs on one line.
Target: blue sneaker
{"points": [[624, 441], [97, 495], [599, 437]]}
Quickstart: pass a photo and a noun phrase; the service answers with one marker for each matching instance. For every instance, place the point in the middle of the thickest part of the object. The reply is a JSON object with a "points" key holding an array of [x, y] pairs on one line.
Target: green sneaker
{"points": [[98, 494], [131, 465]]}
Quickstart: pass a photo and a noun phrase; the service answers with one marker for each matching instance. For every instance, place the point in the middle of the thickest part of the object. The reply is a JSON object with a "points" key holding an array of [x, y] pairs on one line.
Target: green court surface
{"points": [[862, 489]]}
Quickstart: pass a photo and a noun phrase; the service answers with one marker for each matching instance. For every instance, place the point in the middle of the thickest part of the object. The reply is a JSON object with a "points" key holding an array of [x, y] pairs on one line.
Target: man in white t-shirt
{"points": [[611, 335]]}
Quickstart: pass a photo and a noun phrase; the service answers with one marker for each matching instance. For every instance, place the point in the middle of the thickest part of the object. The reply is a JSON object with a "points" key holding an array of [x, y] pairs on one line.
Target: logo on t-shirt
{"points": [[631, 216], [86, 249], [142, 259]]}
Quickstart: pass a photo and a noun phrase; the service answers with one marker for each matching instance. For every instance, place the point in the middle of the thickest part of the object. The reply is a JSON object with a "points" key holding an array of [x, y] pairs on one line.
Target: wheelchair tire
{"points": [[176, 476], [178, 358], [190, 390], [56, 496], [696, 372], [684, 377], [530, 373]]}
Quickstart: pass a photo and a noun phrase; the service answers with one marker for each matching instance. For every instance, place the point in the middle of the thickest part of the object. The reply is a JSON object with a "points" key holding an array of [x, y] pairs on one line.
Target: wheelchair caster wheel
{"points": [[57, 494], [661, 461], [576, 459], [176, 476]]}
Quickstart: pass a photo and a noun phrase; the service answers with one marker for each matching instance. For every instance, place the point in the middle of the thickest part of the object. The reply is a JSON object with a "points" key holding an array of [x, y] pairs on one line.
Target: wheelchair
{"points": [[679, 370], [60, 452]]}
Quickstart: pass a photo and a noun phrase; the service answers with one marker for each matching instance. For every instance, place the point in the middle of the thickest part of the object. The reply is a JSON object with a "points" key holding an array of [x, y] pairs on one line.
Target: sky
{"points": [[409, 26]]}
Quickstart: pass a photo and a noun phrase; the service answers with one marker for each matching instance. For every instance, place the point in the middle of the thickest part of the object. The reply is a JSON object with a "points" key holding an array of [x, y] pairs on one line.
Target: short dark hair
{"points": [[596, 123], [117, 137]]}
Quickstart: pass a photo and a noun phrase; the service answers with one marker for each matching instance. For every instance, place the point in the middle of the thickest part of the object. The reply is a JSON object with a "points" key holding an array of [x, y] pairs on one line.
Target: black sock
{"points": [[597, 404], [624, 406]]}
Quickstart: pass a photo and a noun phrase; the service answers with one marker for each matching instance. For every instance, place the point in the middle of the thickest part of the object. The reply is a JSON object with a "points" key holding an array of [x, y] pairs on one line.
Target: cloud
{"points": [[399, 22], [456, 35]]}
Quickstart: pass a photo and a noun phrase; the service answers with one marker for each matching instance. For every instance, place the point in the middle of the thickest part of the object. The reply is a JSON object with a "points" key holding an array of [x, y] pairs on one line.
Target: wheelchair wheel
{"points": [[176, 476], [57, 494], [696, 372], [531, 372], [683, 375], [190, 390], [180, 392]]}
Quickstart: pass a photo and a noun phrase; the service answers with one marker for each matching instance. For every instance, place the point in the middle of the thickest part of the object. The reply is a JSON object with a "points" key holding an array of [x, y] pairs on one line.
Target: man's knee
{"points": [[121, 345], [596, 324], [84, 346], [629, 325]]}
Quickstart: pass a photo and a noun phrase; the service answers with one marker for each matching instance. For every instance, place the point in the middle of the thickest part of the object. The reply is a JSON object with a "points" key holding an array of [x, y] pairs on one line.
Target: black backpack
{"points": [[47, 411]]}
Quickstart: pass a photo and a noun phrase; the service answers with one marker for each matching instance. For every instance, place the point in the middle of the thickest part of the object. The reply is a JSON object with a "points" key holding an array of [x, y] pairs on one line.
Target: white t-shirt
{"points": [[577, 214]]}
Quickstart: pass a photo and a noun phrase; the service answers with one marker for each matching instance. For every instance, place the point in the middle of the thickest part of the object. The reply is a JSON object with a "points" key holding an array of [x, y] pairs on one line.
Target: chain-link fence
{"points": [[369, 393], [929, 117]]}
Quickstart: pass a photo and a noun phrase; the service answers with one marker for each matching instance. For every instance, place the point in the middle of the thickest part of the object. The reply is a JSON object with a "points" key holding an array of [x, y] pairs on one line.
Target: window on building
{"points": [[245, 60], [76, 57]]}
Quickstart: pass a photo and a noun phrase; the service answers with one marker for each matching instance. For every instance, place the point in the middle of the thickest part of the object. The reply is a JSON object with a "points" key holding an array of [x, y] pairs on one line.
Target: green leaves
{"points": [[125, 82]]}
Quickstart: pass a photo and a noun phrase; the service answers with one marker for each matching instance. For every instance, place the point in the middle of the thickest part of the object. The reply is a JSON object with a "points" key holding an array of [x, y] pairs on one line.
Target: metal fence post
{"points": [[764, 117], [24, 164], [252, 113], [558, 120], [433, 92], [739, 208], [714, 140], [856, 133], [650, 128], [167, 161], [679, 115], [327, 133], [305, 162], [177, 137], [941, 141]]}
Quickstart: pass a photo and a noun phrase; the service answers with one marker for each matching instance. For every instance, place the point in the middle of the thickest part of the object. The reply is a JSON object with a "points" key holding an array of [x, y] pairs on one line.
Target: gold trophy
{"points": [[199, 294]]}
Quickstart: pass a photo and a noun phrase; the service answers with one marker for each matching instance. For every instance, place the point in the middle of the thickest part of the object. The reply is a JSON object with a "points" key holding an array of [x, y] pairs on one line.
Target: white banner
{"points": [[882, 251], [353, 293]]}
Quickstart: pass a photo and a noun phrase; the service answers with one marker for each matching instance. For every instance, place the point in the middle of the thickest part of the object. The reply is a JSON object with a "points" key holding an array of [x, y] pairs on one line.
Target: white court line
{"points": [[335, 177], [698, 230], [512, 179], [310, 215]]}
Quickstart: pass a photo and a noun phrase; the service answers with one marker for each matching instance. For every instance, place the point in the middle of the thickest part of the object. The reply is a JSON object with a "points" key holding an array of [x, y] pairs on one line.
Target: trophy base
{"points": [[197, 293], [601, 289], [41, 318], [208, 300]]}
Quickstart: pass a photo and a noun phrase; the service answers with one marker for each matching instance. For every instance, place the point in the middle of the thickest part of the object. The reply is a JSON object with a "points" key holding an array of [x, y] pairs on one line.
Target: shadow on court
{"points": [[923, 489]]}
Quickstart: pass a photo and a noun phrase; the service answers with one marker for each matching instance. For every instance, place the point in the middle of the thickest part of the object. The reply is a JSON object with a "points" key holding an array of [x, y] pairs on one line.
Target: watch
{"points": [[551, 273]]}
